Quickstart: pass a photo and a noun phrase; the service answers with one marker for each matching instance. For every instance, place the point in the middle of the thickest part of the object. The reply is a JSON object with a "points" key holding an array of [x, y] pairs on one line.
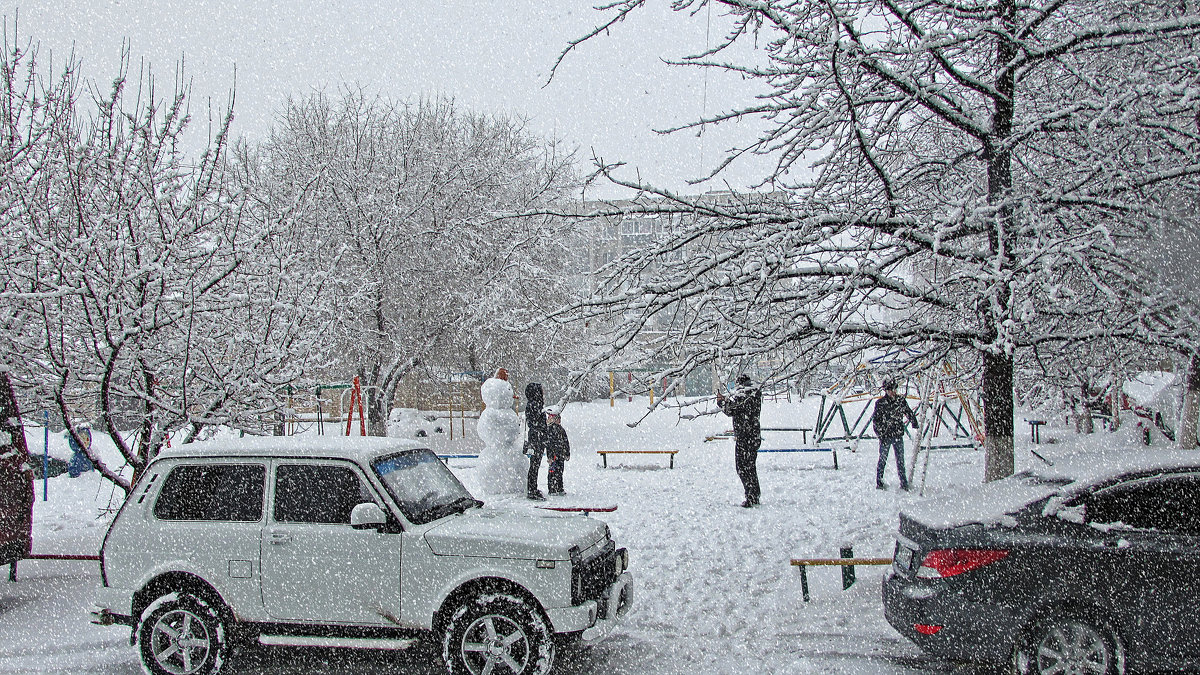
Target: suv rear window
{"points": [[229, 492]]}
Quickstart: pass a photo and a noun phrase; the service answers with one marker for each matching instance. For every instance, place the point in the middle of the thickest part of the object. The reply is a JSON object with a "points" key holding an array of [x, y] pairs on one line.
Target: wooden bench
{"points": [[605, 453], [728, 433], [1034, 428], [846, 562], [832, 451]]}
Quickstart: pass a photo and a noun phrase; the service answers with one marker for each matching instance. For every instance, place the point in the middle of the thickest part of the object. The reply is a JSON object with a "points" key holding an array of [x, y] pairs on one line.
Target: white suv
{"points": [[352, 543]]}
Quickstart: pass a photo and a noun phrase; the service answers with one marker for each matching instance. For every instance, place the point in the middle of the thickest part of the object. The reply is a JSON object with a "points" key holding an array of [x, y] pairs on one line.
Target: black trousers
{"points": [[745, 455], [554, 475], [535, 463], [895, 444]]}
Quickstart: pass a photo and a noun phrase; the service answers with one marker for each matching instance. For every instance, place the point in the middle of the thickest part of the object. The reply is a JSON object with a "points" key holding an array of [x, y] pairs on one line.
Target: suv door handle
{"points": [[278, 538]]}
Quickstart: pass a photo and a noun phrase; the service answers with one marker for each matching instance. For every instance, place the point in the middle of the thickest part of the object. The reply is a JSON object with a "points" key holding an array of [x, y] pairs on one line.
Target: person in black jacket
{"points": [[558, 450], [891, 412], [535, 439], [744, 406]]}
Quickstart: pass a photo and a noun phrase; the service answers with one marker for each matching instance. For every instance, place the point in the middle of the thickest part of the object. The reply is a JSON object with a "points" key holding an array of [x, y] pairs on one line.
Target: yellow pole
{"points": [[611, 390], [652, 395], [450, 403]]}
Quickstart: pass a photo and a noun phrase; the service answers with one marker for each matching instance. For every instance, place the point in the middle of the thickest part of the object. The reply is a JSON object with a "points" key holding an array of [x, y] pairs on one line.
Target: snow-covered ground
{"points": [[715, 591]]}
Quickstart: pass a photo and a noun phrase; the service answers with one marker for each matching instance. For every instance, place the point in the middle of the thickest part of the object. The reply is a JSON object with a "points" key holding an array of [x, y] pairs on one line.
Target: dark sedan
{"points": [[1060, 570]]}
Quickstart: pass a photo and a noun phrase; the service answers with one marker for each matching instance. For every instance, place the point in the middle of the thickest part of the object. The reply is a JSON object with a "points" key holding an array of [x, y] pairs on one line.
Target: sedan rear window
{"points": [[226, 492], [1166, 504]]}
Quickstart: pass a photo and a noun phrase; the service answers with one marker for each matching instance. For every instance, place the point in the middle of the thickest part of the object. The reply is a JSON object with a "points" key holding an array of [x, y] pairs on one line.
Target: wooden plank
{"points": [[808, 562], [581, 509]]}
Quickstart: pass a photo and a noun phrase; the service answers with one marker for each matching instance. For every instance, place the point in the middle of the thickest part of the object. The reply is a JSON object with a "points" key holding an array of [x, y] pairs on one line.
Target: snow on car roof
{"points": [[992, 503], [349, 447]]}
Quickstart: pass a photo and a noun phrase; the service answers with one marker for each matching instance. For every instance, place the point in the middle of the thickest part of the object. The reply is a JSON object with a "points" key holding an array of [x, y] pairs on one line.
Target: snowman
{"points": [[502, 466]]}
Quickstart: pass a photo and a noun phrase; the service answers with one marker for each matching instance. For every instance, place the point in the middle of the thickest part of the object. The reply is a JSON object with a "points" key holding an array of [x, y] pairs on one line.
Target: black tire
{"points": [[1069, 644], [182, 634], [497, 633]]}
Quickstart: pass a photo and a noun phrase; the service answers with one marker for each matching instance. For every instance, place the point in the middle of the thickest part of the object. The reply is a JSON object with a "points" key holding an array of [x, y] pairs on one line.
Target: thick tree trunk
{"points": [[1191, 404], [998, 360], [998, 416], [377, 411]]}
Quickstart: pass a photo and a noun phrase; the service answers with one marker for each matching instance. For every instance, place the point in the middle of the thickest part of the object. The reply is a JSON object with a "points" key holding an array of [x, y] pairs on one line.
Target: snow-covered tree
{"points": [[137, 295], [409, 207], [958, 175]]}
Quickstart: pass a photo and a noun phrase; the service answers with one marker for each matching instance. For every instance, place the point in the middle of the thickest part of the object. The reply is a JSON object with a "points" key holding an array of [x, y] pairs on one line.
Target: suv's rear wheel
{"points": [[1068, 644], [182, 634], [497, 634]]}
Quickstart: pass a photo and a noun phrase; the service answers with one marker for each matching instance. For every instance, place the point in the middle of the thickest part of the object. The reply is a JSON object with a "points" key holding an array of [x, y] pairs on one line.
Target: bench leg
{"points": [[604, 458], [804, 582], [847, 570], [672, 461], [835, 463]]}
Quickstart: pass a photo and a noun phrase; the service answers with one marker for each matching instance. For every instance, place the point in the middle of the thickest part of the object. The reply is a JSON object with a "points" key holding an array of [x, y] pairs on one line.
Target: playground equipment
{"points": [[945, 414]]}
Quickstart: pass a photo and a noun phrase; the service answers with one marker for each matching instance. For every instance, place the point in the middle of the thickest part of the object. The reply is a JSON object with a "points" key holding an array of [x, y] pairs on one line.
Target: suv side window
{"points": [[317, 493], [1168, 504], [228, 492]]}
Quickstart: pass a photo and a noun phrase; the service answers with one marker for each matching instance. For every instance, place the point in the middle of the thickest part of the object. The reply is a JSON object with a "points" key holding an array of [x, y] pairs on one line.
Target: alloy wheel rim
{"points": [[495, 644], [180, 642], [1072, 648]]}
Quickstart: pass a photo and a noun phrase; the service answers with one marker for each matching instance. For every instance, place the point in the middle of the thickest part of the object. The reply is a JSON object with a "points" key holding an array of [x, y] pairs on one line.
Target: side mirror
{"points": [[367, 516]]}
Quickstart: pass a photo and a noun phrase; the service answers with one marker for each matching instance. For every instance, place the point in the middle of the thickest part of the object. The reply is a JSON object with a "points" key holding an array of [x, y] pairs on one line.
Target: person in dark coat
{"points": [[891, 412], [535, 438], [558, 450], [744, 406]]}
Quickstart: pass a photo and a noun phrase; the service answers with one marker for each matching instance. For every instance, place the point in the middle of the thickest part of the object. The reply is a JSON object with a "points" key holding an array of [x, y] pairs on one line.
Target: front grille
{"points": [[591, 577]]}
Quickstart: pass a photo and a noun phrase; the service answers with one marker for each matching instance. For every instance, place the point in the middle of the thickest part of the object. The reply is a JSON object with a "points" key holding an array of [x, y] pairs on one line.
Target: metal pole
{"points": [[46, 456]]}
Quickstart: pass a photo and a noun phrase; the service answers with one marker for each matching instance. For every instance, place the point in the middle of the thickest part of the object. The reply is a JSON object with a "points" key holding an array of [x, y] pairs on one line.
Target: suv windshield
{"points": [[422, 486]]}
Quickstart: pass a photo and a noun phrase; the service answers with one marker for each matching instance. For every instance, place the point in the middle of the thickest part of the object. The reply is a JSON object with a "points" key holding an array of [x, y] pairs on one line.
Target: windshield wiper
{"points": [[457, 506]]}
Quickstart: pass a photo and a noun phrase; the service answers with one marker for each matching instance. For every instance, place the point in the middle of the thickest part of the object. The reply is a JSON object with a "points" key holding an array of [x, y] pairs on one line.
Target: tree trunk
{"points": [[998, 360], [377, 411], [1191, 404], [999, 460], [1084, 423], [1114, 408]]}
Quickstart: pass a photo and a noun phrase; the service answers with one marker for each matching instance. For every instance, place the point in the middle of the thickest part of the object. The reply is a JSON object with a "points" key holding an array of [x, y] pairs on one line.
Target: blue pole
{"points": [[46, 457]]}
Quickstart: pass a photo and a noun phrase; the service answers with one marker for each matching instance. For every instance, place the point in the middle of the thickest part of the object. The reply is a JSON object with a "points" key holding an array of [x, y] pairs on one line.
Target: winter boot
{"points": [[536, 496]]}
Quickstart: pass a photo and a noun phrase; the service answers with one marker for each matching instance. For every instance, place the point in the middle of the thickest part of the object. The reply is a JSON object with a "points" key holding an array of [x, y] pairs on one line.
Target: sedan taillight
{"points": [[948, 562]]}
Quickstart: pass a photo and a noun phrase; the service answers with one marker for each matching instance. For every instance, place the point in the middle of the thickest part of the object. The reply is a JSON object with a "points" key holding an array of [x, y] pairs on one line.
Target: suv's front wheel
{"points": [[182, 634], [497, 634]]}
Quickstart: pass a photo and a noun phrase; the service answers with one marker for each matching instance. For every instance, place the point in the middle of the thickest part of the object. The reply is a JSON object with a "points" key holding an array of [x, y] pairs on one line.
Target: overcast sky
{"points": [[490, 55]]}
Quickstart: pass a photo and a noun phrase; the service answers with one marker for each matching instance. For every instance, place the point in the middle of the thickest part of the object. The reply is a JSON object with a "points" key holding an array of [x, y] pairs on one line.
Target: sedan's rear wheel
{"points": [[1069, 645]]}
